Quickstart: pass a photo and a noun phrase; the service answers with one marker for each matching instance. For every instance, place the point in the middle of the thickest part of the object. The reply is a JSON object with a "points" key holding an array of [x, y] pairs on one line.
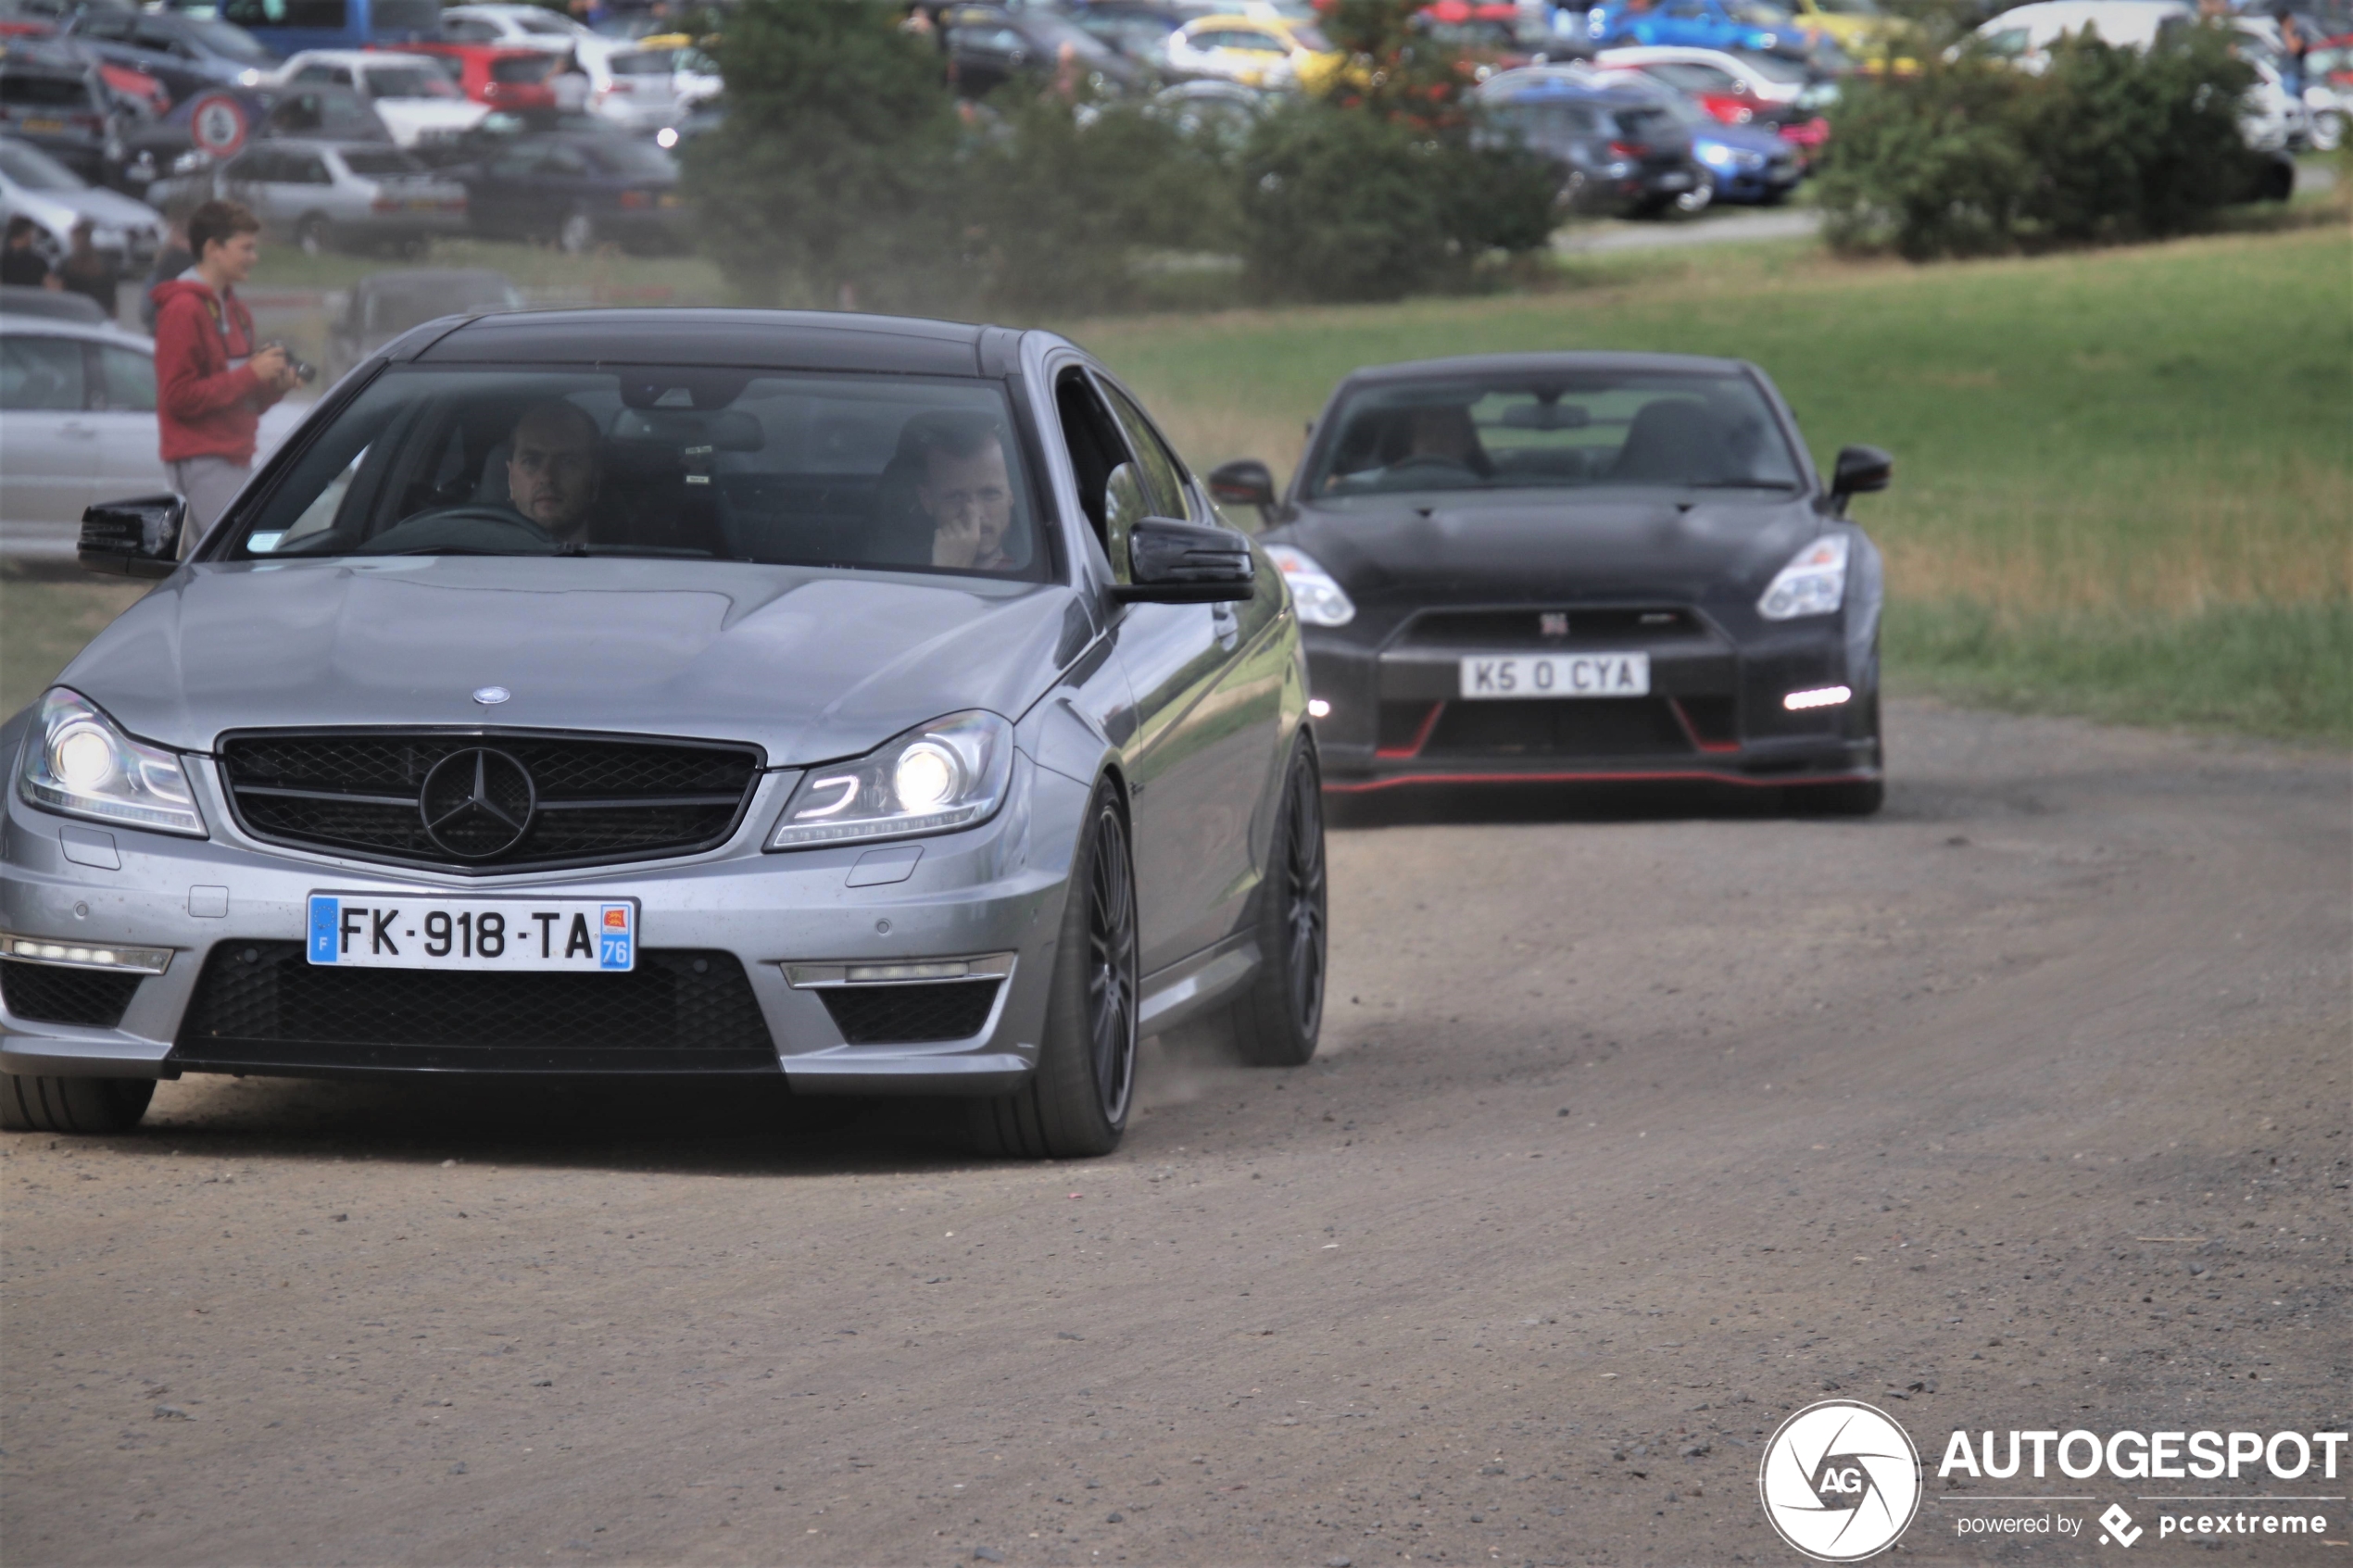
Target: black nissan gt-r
{"points": [[1580, 566]]}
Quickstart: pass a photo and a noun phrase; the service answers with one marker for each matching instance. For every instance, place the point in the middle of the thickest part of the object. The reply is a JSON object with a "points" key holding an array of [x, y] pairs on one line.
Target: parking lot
{"points": [[1630, 1134]]}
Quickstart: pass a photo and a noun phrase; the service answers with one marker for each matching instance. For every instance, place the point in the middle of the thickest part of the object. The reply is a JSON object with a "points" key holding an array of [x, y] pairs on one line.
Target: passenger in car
{"points": [[964, 489], [553, 471]]}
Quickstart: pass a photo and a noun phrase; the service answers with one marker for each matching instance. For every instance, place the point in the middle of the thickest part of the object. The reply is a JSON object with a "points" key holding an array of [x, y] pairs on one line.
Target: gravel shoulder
{"points": [[2023, 1104]]}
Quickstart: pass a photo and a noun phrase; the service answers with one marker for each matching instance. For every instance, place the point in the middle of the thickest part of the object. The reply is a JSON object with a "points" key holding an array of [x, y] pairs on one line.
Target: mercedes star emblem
{"points": [[490, 697], [477, 803]]}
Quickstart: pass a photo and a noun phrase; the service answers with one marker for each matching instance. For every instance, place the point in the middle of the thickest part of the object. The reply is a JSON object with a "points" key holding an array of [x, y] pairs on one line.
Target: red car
{"points": [[501, 75]]}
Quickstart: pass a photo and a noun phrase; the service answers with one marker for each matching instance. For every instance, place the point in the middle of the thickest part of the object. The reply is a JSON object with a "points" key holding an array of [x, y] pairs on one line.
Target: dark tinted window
{"points": [[861, 472], [1526, 430], [327, 14], [43, 91], [521, 68]]}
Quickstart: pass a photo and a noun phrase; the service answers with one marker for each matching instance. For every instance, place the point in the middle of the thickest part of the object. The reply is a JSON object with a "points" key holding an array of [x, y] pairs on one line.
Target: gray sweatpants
{"points": [[209, 485]]}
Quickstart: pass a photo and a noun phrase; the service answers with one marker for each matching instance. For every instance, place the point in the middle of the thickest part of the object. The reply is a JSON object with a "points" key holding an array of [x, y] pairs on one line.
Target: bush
{"points": [[1971, 156], [1343, 204], [1060, 199], [830, 181]]}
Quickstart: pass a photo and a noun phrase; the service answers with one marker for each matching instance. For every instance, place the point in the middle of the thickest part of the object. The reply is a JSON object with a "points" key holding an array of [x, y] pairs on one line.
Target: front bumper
{"points": [[794, 922], [1715, 713]]}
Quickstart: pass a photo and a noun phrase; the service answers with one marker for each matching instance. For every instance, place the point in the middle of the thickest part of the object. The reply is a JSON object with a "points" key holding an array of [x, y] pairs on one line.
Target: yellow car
{"points": [[1858, 27], [1258, 51]]}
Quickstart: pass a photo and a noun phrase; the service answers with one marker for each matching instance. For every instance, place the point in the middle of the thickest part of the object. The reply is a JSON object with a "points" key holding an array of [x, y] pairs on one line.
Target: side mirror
{"points": [[1184, 563], [135, 538], [1859, 470], [1245, 482]]}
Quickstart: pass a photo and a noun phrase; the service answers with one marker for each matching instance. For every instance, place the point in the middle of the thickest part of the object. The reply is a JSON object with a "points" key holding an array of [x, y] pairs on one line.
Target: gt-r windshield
{"points": [[894, 473], [1537, 430]]}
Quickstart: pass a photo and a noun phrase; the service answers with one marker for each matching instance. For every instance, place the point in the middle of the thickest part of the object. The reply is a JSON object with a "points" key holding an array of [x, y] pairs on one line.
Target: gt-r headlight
{"points": [[1321, 598], [76, 762], [1814, 582], [950, 774]]}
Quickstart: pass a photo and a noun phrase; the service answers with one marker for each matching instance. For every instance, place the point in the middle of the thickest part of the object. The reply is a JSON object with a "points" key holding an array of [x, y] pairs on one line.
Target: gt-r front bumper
{"points": [[1716, 711], [822, 946]]}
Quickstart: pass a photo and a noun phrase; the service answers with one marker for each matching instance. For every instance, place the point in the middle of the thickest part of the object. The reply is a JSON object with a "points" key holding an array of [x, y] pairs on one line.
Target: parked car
{"points": [[1700, 24], [413, 93], [636, 89], [1748, 163], [329, 24], [52, 97], [534, 27], [77, 423], [1140, 32], [187, 53], [339, 195], [1775, 79], [1555, 567], [2024, 34], [578, 188], [168, 146], [514, 77], [737, 772], [37, 186], [383, 305], [1256, 52], [1612, 152], [1730, 99], [990, 45]]}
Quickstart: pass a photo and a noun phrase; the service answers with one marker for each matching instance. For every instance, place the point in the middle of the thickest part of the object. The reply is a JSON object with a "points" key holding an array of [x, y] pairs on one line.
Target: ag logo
{"points": [[1840, 1481]]}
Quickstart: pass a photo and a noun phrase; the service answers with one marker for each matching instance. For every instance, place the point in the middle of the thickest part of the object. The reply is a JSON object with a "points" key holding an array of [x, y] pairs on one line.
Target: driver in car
{"points": [[965, 490], [552, 468]]}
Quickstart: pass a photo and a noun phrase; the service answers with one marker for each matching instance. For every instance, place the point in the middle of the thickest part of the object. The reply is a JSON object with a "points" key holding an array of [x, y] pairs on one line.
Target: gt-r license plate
{"points": [[1558, 674], [373, 930]]}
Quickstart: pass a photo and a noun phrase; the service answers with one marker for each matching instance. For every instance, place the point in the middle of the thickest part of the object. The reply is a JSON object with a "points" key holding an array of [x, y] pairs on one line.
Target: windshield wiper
{"points": [[675, 552]]}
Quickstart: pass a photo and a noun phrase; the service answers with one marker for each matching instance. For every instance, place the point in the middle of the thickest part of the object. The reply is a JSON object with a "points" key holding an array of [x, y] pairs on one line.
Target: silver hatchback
{"points": [[879, 705], [347, 195]]}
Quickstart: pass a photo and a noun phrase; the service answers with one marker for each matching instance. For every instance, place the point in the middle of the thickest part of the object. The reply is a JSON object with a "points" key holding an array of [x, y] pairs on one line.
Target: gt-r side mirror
{"points": [[135, 538], [1245, 482], [1859, 470], [1184, 563]]}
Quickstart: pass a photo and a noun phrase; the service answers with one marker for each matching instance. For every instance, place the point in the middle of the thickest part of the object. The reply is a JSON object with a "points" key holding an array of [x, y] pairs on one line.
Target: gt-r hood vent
{"points": [[806, 665], [1513, 547]]}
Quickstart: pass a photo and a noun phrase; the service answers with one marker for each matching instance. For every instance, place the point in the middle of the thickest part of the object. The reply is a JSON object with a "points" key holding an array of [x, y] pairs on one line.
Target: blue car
{"points": [[1752, 165], [1698, 24]]}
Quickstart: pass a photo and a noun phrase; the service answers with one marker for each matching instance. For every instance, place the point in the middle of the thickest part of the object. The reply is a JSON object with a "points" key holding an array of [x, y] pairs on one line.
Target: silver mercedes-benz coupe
{"points": [[878, 704]]}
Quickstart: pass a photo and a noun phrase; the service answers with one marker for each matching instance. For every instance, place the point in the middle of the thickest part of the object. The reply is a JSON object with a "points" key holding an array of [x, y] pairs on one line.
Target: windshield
{"points": [[35, 171], [894, 473], [375, 163], [1553, 430], [411, 81], [228, 38]]}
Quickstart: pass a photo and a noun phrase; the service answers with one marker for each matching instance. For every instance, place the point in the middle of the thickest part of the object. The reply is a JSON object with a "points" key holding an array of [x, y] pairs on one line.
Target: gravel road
{"points": [[2023, 1104]]}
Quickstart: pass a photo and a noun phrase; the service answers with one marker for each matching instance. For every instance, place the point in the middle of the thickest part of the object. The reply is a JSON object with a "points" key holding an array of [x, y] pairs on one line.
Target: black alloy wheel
{"points": [[1275, 1023], [1076, 1101]]}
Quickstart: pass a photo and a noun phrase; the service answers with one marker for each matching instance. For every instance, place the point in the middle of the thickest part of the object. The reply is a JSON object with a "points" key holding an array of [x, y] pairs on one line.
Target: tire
{"points": [[1699, 198], [30, 1104], [312, 234], [1075, 1104], [1275, 1023], [578, 235], [2328, 130]]}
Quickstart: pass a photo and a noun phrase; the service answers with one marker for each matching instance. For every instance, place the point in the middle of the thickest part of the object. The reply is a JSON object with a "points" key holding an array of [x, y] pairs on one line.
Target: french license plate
{"points": [[40, 127], [1558, 674], [377, 931]]}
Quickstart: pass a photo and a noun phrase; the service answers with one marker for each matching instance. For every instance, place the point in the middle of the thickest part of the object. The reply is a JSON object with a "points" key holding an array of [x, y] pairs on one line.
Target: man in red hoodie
{"points": [[211, 385]]}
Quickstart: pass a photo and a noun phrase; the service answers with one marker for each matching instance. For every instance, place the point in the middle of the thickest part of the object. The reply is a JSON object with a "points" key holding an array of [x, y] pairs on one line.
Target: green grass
{"points": [[46, 613], [2118, 472]]}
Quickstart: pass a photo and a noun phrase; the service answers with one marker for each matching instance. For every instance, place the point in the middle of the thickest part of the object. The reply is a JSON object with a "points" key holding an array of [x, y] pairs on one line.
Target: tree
{"points": [[829, 181]]}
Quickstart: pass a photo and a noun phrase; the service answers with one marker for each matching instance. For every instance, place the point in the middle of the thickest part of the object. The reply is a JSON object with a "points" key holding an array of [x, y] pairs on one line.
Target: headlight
{"points": [[1768, 39], [79, 763], [1716, 153], [949, 773], [1321, 600], [1814, 582]]}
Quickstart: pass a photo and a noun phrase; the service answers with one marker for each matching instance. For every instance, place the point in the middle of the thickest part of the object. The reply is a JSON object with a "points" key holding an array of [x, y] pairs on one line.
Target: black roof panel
{"points": [[803, 340]]}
